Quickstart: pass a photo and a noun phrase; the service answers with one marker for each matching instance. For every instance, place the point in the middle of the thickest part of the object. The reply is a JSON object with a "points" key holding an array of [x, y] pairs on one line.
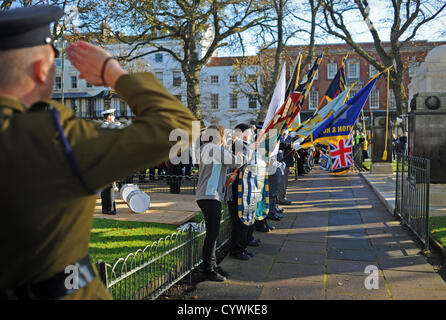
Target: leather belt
{"points": [[73, 278]]}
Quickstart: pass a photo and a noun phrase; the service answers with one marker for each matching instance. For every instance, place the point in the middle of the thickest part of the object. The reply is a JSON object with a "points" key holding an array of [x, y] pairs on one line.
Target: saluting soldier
{"points": [[53, 164], [108, 194]]}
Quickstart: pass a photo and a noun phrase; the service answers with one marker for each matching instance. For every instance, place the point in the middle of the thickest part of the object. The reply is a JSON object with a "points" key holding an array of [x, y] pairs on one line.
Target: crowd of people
{"points": [[219, 182]]}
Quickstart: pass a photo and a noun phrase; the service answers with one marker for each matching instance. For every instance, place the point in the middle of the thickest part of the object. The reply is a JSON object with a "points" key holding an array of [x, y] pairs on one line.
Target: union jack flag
{"points": [[342, 154]]}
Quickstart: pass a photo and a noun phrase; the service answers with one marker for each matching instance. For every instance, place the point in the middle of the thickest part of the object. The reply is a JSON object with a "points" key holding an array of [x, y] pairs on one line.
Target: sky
{"points": [[433, 31]]}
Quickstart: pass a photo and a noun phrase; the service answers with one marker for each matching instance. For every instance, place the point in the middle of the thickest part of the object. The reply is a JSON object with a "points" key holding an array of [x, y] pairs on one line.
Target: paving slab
{"points": [[292, 289], [335, 228], [352, 244], [418, 280], [411, 263], [347, 267], [348, 254], [297, 271], [354, 285]]}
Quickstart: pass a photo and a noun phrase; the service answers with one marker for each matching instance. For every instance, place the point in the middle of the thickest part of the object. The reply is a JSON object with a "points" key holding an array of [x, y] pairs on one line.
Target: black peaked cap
{"points": [[27, 27]]}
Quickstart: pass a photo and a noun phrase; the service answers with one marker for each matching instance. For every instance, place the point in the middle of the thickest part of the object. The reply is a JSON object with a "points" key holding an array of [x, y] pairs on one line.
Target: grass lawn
{"points": [[438, 229], [113, 239]]}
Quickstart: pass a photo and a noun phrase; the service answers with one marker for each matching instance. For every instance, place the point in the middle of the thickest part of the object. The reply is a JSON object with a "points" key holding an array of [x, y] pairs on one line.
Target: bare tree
{"points": [[405, 19], [199, 26], [273, 34]]}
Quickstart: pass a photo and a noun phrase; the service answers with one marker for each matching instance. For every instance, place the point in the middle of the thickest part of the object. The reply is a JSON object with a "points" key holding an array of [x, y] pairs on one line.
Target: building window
{"points": [[214, 79], [233, 78], [178, 96], [159, 75], [233, 100], [176, 78], [74, 82], [252, 101], [58, 63], [158, 57], [353, 69], [372, 71], [374, 99], [413, 67], [314, 100], [58, 83], [332, 69], [88, 84], [91, 106], [392, 101], [214, 101]]}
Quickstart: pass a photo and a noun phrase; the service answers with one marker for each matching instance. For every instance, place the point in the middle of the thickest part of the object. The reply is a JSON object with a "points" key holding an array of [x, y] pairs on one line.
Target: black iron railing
{"points": [[149, 272], [412, 194], [163, 183]]}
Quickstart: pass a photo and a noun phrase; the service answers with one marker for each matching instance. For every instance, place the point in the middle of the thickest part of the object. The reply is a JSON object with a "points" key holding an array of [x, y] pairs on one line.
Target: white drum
{"points": [[137, 200], [126, 189]]}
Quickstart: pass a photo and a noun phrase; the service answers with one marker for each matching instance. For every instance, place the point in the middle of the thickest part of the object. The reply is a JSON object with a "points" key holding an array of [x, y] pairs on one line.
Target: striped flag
{"points": [[304, 88], [337, 85]]}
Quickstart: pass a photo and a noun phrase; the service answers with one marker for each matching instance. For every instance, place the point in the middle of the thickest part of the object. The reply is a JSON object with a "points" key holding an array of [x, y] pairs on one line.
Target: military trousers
{"points": [[240, 231], [274, 189], [108, 200], [284, 184], [212, 215]]}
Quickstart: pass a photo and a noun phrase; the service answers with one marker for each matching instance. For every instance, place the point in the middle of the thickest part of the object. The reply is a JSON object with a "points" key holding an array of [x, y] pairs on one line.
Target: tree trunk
{"points": [[193, 91], [277, 63]]}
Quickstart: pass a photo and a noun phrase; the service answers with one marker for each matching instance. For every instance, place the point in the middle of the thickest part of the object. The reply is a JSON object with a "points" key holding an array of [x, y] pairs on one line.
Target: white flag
{"points": [[277, 99]]}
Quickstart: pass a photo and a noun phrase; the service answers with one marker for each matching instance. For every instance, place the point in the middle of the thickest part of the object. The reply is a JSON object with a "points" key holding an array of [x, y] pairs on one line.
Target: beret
{"points": [[27, 27]]}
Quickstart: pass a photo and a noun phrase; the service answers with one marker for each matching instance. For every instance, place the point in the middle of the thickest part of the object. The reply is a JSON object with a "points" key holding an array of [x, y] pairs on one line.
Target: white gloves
{"points": [[282, 168], [296, 145], [292, 134]]}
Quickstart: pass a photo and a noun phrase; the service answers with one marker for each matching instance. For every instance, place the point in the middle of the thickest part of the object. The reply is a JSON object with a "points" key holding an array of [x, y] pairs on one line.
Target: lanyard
{"points": [[68, 151]]}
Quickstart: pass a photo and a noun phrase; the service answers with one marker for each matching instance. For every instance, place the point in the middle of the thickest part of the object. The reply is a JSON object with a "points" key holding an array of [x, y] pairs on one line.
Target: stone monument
{"points": [[380, 165], [427, 120]]}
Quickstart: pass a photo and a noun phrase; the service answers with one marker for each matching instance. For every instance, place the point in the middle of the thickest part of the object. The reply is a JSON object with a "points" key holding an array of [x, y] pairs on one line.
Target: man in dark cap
{"points": [[108, 194], [241, 233], [60, 162]]}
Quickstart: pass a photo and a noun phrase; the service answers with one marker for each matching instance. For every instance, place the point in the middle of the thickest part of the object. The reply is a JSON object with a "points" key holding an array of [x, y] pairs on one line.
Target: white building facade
{"points": [[224, 100]]}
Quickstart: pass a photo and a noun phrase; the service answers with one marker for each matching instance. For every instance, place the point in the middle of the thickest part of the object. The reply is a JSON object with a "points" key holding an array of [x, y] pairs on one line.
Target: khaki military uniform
{"points": [[46, 210]]}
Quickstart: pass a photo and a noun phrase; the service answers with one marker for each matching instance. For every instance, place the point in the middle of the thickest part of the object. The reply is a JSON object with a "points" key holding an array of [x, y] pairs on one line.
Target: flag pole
{"points": [[387, 116]]}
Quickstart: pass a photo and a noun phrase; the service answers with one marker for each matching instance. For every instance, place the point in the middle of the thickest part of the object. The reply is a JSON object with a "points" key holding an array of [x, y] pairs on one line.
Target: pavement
{"points": [[337, 241], [168, 208], [384, 187]]}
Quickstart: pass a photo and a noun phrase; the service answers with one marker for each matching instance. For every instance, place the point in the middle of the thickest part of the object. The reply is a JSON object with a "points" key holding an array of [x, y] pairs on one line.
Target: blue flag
{"points": [[339, 125]]}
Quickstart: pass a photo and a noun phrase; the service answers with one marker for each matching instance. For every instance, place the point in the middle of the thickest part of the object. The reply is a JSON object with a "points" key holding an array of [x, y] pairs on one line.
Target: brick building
{"points": [[359, 72], [225, 96]]}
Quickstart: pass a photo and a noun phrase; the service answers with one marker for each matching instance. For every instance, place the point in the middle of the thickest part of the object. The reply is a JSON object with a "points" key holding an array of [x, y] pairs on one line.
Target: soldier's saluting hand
{"points": [[53, 164]]}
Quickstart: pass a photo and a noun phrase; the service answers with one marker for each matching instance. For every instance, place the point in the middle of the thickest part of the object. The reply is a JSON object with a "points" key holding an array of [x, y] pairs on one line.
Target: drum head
{"points": [[126, 189], [138, 201]]}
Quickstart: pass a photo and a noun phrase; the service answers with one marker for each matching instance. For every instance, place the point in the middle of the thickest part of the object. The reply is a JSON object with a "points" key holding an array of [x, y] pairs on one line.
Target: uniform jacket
{"points": [[46, 211]]}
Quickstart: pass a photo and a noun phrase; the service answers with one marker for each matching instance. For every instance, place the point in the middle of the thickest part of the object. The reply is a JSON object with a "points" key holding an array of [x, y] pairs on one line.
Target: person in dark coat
{"points": [[242, 235], [174, 173], [288, 158]]}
